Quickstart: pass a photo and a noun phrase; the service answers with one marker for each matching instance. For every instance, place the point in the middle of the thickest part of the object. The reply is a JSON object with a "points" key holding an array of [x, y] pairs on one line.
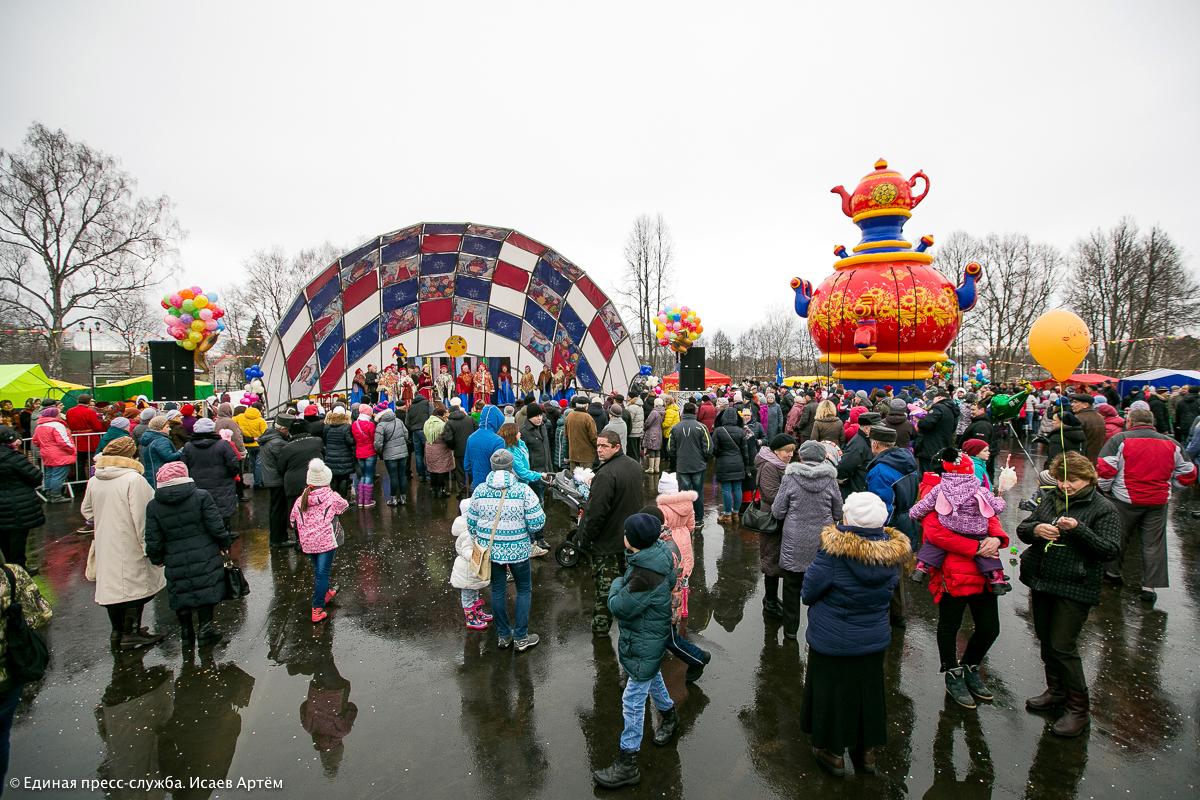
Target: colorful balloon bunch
{"points": [[942, 370], [253, 372], [677, 327], [192, 316], [982, 375]]}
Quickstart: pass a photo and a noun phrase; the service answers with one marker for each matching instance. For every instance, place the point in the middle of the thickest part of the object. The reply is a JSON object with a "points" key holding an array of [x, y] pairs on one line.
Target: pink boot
{"points": [[368, 495], [483, 615], [683, 604], [473, 621]]}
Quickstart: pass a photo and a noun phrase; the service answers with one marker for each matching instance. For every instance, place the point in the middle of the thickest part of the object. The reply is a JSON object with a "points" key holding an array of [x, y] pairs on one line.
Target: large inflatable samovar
{"points": [[885, 314]]}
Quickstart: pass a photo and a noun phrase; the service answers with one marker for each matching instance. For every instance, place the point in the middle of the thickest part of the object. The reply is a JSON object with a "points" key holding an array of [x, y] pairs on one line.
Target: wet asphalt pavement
{"points": [[392, 697]]}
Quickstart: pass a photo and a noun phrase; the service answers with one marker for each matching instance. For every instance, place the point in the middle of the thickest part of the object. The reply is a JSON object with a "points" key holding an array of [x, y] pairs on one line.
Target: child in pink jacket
{"points": [[679, 518], [315, 518], [363, 430]]}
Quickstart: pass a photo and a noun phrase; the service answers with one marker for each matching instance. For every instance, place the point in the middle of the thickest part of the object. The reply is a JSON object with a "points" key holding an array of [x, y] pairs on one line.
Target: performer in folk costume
{"points": [[463, 385], [408, 389], [545, 383], [528, 383], [358, 386], [484, 386], [444, 385], [425, 382], [504, 387], [389, 382], [558, 383], [569, 384]]}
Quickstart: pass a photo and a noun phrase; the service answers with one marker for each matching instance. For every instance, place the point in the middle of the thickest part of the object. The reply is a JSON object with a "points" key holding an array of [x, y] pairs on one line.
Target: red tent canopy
{"points": [[711, 378], [1084, 378]]}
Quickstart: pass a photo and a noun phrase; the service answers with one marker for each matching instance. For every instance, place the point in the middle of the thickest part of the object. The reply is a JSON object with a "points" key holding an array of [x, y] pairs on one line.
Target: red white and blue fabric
{"points": [[507, 295]]}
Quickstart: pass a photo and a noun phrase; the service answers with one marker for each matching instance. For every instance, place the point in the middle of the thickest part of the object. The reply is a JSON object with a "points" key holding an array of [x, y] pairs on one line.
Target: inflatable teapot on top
{"points": [[885, 314]]}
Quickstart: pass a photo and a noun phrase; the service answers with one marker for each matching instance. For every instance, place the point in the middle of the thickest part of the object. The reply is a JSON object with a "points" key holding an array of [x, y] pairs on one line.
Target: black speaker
{"points": [[691, 370], [172, 372]]}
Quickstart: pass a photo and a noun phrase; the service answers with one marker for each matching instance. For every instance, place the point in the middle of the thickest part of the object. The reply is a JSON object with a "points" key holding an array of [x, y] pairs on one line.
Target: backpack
{"points": [[26, 654], [904, 494]]}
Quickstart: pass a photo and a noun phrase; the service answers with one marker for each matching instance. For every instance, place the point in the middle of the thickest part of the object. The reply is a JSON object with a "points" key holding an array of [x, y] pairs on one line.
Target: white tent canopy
{"points": [[1161, 377]]}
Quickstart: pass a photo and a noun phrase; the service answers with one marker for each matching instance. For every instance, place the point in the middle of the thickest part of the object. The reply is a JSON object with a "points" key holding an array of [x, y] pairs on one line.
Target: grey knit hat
{"points": [[502, 460]]}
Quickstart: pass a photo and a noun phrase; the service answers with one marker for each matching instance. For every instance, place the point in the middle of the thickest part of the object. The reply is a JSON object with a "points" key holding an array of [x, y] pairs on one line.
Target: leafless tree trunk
{"points": [[1020, 281], [646, 285], [1133, 290], [73, 238], [132, 320]]}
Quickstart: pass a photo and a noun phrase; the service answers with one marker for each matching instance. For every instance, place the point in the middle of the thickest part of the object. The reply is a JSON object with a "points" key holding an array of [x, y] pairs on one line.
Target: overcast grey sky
{"points": [[295, 122]]}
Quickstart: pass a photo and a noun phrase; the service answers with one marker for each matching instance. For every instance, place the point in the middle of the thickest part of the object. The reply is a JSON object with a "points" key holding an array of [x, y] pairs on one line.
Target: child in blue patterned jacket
{"points": [[505, 516]]}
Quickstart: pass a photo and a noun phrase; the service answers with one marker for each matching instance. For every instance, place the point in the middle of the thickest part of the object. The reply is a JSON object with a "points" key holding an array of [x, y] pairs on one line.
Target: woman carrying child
{"points": [[963, 540]]}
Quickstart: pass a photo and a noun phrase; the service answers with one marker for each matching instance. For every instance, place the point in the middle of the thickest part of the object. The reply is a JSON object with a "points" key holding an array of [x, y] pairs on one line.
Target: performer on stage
{"points": [[483, 384], [557, 383], [464, 385], [388, 384], [545, 383], [408, 389], [425, 382], [504, 387], [528, 383], [444, 385]]}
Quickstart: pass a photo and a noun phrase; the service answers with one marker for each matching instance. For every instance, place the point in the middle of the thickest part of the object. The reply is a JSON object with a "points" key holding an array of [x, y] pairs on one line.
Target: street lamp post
{"points": [[95, 328]]}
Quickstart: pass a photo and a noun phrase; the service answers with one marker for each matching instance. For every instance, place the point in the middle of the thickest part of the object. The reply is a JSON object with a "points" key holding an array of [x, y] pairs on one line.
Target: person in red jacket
{"points": [[1138, 467], [956, 586], [1114, 423], [706, 413], [83, 419]]}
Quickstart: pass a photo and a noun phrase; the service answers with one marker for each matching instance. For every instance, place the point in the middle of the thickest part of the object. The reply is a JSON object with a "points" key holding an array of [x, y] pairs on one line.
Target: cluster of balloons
{"points": [[982, 376], [645, 381], [943, 370], [253, 372], [677, 327], [192, 316]]}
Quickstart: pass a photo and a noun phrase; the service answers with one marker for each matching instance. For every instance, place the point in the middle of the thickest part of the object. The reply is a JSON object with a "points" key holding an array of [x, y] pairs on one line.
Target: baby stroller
{"points": [[573, 495]]}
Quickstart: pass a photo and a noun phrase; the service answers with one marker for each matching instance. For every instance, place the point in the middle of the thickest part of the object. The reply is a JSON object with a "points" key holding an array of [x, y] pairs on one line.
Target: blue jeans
{"points": [[418, 452], [322, 565], [731, 495], [8, 708], [633, 706], [366, 470], [693, 481], [54, 478], [255, 469], [523, 578], [685, 651], [397, 475]]}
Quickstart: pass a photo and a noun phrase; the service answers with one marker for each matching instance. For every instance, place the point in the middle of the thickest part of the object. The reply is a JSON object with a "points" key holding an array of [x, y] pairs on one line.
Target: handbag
{"points": [[481, 557], [236, 585], [756, 519], [26, 654]]}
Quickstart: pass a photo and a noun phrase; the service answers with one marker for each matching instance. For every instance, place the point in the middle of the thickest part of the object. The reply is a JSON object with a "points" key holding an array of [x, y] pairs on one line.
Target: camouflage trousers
{"points": [[606, 569]]}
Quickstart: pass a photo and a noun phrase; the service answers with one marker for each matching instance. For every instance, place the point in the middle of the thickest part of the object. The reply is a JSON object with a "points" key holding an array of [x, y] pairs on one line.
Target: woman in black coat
{"points": [[339, 450], [213, 464], [186, 534], [20, 509], [734, 453]]}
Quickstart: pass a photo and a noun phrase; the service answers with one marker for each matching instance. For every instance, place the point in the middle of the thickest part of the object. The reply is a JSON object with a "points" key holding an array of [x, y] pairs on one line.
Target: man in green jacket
{"points": [[641, 602]]}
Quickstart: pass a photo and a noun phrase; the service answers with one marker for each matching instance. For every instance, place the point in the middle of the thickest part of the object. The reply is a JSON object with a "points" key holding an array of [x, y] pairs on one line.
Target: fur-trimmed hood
{"points": [[109, 467], [815, 471], [878, 547]]}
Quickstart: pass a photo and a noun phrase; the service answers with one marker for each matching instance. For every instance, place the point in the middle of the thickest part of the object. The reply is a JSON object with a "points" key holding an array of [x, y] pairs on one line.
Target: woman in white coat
{"points": [[115, 502]]}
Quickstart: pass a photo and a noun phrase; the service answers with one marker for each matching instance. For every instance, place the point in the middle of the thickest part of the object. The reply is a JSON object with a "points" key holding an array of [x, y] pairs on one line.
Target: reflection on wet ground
{"points": [[393, 698]]}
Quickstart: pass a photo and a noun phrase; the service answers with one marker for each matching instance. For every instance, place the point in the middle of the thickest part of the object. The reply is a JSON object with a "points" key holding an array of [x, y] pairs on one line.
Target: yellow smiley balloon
{"points": [[1058, 341]]}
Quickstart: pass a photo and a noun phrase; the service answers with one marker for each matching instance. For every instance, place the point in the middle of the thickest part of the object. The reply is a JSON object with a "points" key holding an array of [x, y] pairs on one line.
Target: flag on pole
{"points": [[779, 371]]}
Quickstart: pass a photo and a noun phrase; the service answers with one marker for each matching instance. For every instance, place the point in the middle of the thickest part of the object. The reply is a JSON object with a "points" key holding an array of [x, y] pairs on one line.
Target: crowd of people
{"points": [[853, 496]]}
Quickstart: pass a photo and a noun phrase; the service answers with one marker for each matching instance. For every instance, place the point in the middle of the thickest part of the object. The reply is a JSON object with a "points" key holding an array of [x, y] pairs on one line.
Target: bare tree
{"points": [[132, 320], [271, 281], [646, 283], [722, 352], [1134, 291], [1020, 281], [73, 237]]}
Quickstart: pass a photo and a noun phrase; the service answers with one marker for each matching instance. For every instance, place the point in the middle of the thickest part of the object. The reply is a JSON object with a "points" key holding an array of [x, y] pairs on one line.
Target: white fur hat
{"points": [[864, 510], [456, 402], [668, 484]]}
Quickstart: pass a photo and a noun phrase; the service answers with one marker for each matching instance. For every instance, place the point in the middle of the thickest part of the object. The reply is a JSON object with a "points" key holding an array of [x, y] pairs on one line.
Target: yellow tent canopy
{"points": [[19, 382]]}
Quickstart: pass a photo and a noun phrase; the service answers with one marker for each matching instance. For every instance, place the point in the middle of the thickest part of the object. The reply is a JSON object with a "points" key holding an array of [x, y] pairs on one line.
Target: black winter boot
{"points": [[136, 636], [666, 730], [187, 631], [622, 772]]}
